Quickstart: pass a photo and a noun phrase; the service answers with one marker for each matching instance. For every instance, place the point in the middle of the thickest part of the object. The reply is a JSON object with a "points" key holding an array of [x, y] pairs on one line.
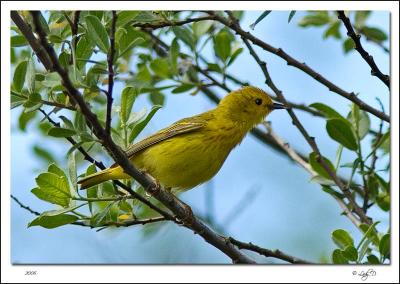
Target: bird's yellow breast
{"points": [[185, 161]]}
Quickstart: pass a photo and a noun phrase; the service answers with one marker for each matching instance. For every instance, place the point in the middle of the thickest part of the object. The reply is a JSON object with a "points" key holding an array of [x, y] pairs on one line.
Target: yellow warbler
{"points": [[192, 150]]}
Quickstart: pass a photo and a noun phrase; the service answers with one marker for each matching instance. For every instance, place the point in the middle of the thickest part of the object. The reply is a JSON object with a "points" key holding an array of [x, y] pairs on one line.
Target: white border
{"points": [[177, 273]]}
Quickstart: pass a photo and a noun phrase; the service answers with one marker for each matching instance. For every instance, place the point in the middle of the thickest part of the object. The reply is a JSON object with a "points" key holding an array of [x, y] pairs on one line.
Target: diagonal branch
{"points": [[182, 211], [302, 66], [110, 62], [267, 252], [310, 140], [159, 25], [364, 54]]}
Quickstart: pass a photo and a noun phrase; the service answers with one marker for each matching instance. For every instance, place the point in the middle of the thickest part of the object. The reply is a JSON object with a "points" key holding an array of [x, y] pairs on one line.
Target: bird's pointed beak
{"points": [[278, 106]]}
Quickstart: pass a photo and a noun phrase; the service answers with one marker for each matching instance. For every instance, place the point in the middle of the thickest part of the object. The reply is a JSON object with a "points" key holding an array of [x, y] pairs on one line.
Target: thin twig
{"points": [[310, 140], [302, 66], [182, 211], [110, 61], [158, 25], [364, 54], [267, 252]]}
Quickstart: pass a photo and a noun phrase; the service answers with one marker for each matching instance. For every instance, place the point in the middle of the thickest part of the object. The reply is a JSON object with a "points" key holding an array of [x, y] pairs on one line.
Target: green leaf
{"points": [[340, 131], [259, 19], [30, 76], [338, 258], [19, 76], [333, 192], [322, 181], [84, 50], [374, 34], [174, 54], [235, 54], [222, 45], [384, 246], [61, 132], [43, 153], [326, 110], [370, 234], [17, 99], [97, 33], [67, 122], [291, 15], [348, 45], [383, 201], [61, 211], [184, 35], [18, 40], [350, 253], [52, 188], [55, 38], [72, 172], [24, 119], [318, 168], [157, 98], [140, 125], [333, 31], [160, 67], [128, 97], [200, 28], [182, 88], [360, 120], [360, 18], [51, 222], [342, 238], [372, 259], [318, 19], [124, 17], [146, 17], [98, 218]]}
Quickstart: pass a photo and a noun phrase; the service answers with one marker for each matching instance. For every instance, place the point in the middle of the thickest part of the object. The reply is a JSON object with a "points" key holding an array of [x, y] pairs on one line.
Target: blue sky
{"points": [[288, 212]]}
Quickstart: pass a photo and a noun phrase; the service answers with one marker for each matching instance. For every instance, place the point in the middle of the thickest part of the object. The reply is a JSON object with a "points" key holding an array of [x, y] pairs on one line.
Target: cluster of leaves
{"points": [[363, 253], [333, 26]]}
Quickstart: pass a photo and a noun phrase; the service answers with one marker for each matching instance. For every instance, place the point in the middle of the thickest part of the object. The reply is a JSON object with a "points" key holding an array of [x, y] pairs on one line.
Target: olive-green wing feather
{"points": [[180, 127]]}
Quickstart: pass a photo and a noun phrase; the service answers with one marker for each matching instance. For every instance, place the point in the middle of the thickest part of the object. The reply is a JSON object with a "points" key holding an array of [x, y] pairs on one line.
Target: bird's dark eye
{"points": [[258, 101]]}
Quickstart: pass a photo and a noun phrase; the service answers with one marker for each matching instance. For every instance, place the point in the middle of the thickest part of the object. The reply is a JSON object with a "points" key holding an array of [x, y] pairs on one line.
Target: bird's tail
{"points": [[96, 178]]}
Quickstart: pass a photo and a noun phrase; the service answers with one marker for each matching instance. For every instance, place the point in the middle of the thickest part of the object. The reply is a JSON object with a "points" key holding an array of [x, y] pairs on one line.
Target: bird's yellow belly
{"points": [[183, 162]]}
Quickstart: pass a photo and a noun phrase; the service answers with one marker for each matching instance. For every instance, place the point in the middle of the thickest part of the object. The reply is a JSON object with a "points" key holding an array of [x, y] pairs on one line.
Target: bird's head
{"points": [[248, 104]]}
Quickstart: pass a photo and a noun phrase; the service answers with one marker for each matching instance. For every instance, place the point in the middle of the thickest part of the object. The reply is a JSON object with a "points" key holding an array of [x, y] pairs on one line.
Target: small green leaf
{"points": [[372, 259], [350, 253], [182, 88], [174, 54], [98, 218], [19, 75], [384, 246], [383, 201], [360, 120], [140, 125], [30, 76], [341, 131], [333, 31], [17, 99], [235, 54], [97, 33], [348, 45], [61, 132], [124, 17], [72, 172], [84, 50], [318, 168], [52, 188], [291, 15], [128, 97], [222, 45], [160, 67], [18, 41], [184, 35], [360, 18], [318, 19], [338, 258], [370, 233], [374, 34], [50, 222], [342, 238], [200, 28], [43, 153], [326, 110], [259, 19], [157, 98]]}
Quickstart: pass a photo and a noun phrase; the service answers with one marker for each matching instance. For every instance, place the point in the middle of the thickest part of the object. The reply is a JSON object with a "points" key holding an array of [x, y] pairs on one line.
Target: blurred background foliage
{"points": [[173, 67]]}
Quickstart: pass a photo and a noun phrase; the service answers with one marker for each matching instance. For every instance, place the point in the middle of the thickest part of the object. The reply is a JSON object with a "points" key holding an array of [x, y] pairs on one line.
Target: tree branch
{"points": [[267, 252], [182, 211], [302, 66], [159, 25], [234, 24], [33, 42], [110, 61], [364, 54]]}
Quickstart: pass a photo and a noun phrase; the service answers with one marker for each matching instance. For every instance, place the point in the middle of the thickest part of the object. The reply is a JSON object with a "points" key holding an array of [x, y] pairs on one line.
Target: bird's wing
{"points": [[180, 127]]}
